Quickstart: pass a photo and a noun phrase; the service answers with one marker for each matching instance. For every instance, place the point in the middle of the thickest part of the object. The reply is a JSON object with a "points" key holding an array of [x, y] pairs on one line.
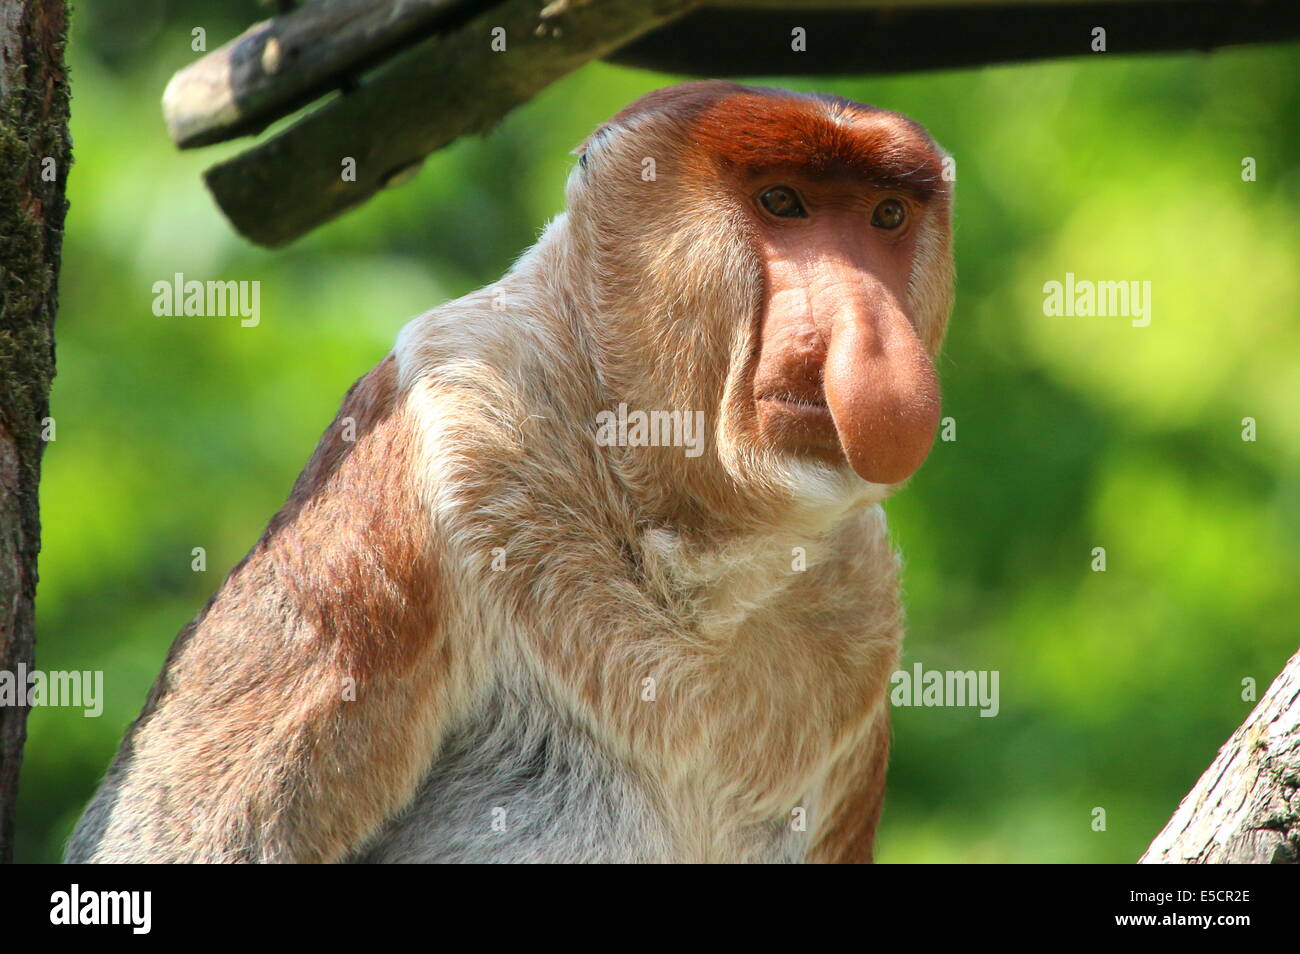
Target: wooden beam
{"points": [[857, 39], [278, 65]]}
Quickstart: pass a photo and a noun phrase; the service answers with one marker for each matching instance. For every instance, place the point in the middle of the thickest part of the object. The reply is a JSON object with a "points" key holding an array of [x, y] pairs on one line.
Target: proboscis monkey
{"points": [[510, 620]]}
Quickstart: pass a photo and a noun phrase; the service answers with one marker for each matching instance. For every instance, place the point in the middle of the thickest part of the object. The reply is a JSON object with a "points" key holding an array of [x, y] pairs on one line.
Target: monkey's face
{"points": [[791, 258], [842, 374]]}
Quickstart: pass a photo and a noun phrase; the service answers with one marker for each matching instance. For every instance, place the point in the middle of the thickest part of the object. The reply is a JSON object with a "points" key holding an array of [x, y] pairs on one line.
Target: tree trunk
{"points": [[35, 151], [1246, 807]]}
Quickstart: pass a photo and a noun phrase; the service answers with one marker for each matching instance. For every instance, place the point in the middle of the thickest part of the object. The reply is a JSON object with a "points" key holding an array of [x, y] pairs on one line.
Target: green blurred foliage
{"points": [[1072, 433]]}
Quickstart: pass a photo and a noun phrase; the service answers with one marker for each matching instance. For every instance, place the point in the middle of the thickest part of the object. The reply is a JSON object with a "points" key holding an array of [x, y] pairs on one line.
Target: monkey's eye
{"points": [[783, 202], [890, 214]]}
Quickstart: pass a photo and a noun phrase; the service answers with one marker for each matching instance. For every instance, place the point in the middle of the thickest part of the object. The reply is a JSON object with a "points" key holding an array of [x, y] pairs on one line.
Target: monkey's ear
{"points": [[581, 152], [584, 147]]}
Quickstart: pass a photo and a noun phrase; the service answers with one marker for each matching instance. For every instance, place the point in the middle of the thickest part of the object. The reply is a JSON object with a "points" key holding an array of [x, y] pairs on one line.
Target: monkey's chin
{"points": [[820, 487]]}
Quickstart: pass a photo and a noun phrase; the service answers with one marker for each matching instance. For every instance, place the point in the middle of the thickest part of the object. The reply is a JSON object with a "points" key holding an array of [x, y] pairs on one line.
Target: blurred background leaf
{"points": [[1072, 433]]}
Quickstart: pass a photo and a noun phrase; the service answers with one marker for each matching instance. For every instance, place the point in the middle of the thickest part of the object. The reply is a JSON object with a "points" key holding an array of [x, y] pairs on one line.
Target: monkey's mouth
{"points": [[809, 406], [799, 423]]}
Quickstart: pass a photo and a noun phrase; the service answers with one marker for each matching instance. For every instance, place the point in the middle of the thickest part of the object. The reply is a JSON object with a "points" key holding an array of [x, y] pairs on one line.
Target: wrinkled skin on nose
{"points": [[842, 374]]}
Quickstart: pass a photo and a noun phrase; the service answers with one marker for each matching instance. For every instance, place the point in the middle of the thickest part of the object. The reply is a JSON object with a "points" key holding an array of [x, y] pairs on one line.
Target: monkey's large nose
{"points": [[881, 389]]}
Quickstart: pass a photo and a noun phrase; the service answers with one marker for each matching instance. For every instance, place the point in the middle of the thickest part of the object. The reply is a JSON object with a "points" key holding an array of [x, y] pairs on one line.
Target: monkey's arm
{"points": [[854, 794], [302, 706]]}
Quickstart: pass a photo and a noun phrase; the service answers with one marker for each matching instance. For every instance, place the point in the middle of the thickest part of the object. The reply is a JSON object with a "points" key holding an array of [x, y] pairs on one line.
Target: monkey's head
{"points": [[780, 261]]}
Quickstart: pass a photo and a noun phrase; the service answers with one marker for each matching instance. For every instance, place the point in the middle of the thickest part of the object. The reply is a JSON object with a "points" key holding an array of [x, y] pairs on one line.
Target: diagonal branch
{"points": [[1245, 809]]}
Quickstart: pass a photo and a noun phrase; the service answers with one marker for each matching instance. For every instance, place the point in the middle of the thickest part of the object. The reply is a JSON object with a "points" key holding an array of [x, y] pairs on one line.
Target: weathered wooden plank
{"points": [[276, 66]]}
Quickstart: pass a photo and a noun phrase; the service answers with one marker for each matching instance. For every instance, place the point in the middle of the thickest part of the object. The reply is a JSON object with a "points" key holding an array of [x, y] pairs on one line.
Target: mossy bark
{"points": [[35, 151]]}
